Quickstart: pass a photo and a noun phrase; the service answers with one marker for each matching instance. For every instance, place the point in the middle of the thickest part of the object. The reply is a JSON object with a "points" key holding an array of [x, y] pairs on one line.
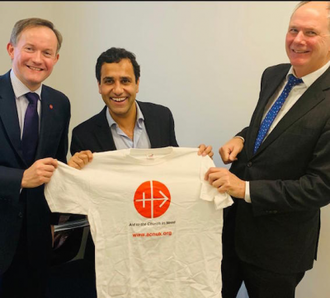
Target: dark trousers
{"points": [[23, 279], [259, 283]]}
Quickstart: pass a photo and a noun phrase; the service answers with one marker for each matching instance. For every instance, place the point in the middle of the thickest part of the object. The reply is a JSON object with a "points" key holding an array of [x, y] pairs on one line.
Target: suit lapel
{"points": [[46, 120], [312, 97], [8, 113], [151, 124], [103, 132], [267, 91]]}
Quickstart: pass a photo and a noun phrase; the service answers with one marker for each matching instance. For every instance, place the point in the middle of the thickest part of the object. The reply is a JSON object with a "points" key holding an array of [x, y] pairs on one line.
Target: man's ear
{"points": [[57, 57], [10, 50], [137, 85]]}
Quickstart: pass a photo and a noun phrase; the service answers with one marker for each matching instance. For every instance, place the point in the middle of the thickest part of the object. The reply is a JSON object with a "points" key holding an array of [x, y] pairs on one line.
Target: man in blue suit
{"points": [[280, 174], [25, 219]]}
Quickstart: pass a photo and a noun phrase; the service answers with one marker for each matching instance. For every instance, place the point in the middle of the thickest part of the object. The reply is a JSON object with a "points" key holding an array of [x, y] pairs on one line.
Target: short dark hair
{"points": [[115, 55], [34, 22]]}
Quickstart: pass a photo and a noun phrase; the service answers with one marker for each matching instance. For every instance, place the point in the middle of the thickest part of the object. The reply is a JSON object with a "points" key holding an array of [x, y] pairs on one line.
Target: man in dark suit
{"points": [[28, 156], [280, 174], [124, 122]]}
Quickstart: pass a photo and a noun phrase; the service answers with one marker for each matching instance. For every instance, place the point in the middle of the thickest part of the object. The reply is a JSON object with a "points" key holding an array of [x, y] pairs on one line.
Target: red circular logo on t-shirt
{"points": [[152, 199]]}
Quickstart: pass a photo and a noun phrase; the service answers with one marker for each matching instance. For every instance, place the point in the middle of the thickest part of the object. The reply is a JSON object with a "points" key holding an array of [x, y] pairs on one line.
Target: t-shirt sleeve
{"points": [[210, 193], [68, 190]]}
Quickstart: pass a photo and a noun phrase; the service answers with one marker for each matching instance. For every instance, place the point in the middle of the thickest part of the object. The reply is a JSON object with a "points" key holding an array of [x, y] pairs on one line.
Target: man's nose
{"points": [[36, 58], [300, 37], [118, 89]]}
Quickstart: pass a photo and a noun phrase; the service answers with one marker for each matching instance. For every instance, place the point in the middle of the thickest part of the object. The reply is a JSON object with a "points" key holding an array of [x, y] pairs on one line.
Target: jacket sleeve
{"points": [[10, 183], [173, 140]]}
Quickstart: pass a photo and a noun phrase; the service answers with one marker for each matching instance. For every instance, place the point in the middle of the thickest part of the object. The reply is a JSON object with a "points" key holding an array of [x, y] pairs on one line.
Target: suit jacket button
{"points": [[249, 164], [20, 214]]}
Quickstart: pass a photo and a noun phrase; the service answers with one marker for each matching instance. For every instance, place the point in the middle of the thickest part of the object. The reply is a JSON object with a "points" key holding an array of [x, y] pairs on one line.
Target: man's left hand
{"points": [[205, 150], [80, 159]]}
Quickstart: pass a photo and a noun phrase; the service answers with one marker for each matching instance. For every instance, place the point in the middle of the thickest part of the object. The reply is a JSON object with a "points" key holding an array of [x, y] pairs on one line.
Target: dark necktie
{"points": [[31, 129], [276, 107]]}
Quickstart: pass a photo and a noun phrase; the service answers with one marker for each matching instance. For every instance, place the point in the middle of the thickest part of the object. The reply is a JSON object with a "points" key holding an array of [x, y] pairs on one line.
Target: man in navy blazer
{"points": [[271, 233], [25, 219], [124, 122]]}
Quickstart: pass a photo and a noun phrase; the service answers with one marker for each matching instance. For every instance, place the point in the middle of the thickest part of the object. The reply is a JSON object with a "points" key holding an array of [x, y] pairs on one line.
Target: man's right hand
{"points": [[39, 173], [231, 149]]}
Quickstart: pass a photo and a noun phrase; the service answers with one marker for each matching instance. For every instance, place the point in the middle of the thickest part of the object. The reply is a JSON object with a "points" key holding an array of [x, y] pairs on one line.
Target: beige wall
{"points": [[201, 59]]}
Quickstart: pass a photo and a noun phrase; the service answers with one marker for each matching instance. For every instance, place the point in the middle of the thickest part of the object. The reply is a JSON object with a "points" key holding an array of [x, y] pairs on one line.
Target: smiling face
{"points": [[118, 89], [308, 38], [34, 55]]}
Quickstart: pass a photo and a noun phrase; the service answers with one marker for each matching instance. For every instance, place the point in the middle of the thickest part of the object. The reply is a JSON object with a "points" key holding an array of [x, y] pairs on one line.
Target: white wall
{"points": [[201, 59]]}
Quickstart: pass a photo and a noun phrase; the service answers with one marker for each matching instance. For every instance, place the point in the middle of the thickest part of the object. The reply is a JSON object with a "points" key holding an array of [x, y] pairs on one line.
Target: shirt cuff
{"points": [[247, 197], [240, 138]]}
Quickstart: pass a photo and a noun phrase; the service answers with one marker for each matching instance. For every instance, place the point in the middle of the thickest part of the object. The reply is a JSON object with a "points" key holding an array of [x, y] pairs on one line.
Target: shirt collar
{"points": [[19, 88], [311, 77], [139, 117]]}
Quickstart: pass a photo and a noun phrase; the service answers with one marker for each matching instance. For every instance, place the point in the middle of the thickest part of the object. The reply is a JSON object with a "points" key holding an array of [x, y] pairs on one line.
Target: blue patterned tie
{"points": [[272, 113], [31, 129]]}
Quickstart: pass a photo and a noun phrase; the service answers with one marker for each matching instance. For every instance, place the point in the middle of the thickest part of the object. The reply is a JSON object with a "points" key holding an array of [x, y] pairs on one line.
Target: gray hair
{"points": [[301, 3]]}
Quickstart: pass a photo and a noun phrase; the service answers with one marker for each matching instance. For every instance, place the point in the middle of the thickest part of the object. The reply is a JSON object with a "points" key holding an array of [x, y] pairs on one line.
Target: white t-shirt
{"points": [[156, 223]]}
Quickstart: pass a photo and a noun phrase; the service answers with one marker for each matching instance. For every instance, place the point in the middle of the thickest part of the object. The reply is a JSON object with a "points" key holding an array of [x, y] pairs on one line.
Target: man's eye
{"points": [[310, 33], [293, 31]]}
